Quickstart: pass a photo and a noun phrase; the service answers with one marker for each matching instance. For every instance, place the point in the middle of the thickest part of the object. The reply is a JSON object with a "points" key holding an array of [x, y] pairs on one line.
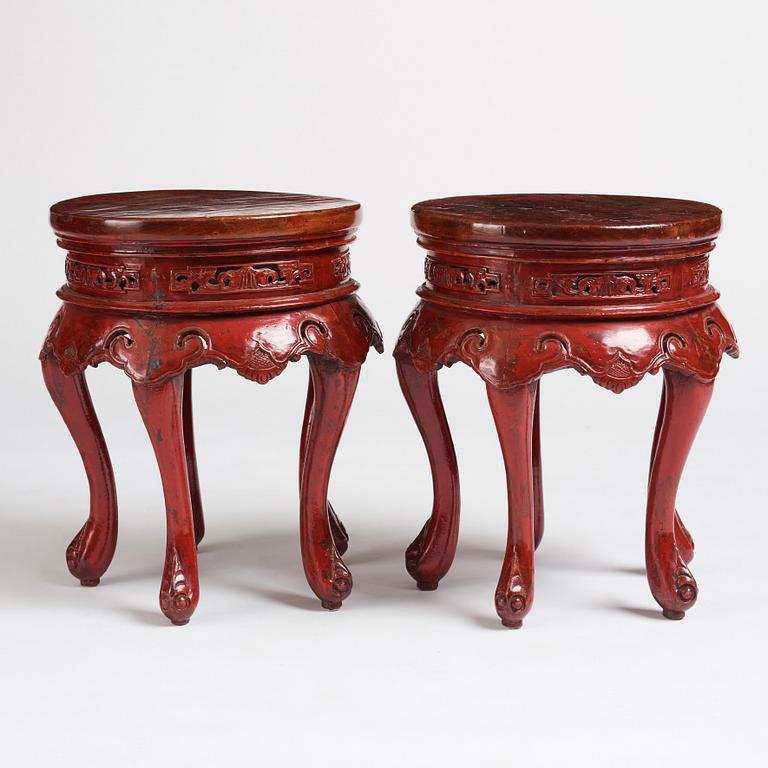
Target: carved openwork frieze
{"points": [[570, 283], [258, 346], [509, 352], [462, 278], [699, 274], [611, 285], [341, 266], [250, 277], [100, 278]]}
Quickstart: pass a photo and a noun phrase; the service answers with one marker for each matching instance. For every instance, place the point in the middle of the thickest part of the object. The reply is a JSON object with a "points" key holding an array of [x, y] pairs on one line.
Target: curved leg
{"points": [[162, 408], [513, 412], [431, 553], [683, 538], [189, 450], [672, 584], [91, 551], [340, 536], [538, 490], [333, 390]]}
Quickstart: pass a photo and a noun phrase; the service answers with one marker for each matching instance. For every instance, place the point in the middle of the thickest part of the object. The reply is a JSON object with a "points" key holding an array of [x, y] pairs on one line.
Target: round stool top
{"points": [[189, 215], [566, 219], [573, 256], [205, 251]]}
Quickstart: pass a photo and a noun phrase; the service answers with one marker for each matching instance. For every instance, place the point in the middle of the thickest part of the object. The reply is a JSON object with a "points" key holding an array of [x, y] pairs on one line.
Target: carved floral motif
{"points": [[259, 347], [341, 266], [616, 370], [192, 345], [699, 274], [462, 278], [262, 364], [248, 278], [109, 279], [614, 285], [508, 353]]}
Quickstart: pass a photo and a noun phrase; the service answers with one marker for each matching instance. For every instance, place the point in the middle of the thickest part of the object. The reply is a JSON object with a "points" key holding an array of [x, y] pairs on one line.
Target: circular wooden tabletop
{"points": [[201, 215], [566, 219]]}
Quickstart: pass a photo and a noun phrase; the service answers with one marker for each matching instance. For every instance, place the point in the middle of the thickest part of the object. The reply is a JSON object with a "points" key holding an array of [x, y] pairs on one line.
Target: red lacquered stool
{"points": [[519, 285], [160, 282]]}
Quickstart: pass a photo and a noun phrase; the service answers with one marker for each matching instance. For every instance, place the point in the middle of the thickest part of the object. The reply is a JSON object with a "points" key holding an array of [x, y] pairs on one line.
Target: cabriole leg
{"points": [[683, 538], [340, 536], [161, 407], [333, 389], [430, 555], [685, 403], [189, 450], [92, 549], [513, 411]]}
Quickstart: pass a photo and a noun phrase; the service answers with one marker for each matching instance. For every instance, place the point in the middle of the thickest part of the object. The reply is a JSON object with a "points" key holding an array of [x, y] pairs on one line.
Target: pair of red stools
{"points": [[515, 286]]}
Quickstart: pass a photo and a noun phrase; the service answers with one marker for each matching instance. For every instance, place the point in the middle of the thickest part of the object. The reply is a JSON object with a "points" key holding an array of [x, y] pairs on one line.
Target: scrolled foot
{"points": [[337, 588], [334, 584], [678, 592], [83, 565], [340, 583], [685, 586], [178, 598], [512, 604], [426, 577]]}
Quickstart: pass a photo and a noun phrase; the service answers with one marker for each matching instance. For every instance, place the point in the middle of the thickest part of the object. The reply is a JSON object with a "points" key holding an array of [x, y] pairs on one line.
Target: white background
{"points": [[386, 103]]}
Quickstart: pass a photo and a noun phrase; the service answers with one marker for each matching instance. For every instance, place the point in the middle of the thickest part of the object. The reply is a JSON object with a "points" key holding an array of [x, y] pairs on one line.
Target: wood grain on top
{"points": [[565, 219], [191, 214]]}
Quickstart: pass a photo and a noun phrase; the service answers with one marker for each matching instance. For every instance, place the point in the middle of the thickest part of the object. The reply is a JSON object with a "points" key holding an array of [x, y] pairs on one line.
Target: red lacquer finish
{"points": [[340, 537], [92, 549], [513, 411], [161, 407], [520, 285], [189, 451], [430, 555], [333, 389], [161, 282]]}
